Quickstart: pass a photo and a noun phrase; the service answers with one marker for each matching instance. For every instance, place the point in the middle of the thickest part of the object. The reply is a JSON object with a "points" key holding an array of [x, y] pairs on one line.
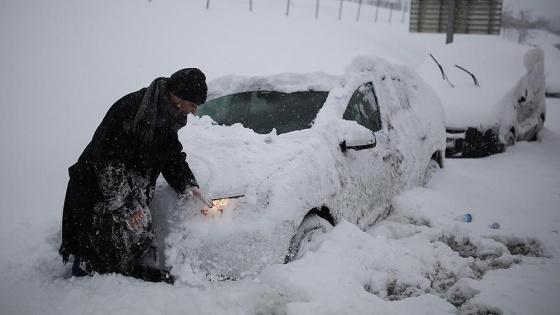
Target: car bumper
{"points": [[472, 143]]}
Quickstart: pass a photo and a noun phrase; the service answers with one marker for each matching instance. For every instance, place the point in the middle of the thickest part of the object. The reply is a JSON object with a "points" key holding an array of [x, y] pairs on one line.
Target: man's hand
{"points": [[194, 192], [137, 220]]}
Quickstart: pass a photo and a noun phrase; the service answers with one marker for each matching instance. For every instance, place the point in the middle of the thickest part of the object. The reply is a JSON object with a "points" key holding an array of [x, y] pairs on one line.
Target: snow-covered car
{"points": [[287, 157], [493, 94]]}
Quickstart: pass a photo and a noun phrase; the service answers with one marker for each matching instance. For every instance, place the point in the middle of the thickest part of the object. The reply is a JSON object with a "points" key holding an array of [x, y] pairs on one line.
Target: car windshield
{"points": [[262, 111]]}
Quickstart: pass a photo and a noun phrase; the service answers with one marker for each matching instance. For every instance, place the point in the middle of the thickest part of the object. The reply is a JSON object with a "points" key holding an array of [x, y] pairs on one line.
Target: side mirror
{"points": [[357, 145]]}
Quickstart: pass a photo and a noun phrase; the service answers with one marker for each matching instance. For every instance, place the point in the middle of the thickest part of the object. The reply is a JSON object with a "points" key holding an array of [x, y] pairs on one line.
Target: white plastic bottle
{"points": [[464, 218]]}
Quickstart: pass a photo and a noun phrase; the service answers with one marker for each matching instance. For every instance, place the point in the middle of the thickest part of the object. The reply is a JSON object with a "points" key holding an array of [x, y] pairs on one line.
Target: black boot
{"points": [[77, 270], [153, 275]]}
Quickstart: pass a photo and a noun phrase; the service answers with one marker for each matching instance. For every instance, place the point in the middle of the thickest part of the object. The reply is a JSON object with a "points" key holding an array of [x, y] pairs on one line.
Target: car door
{"points": [[368, 172]]}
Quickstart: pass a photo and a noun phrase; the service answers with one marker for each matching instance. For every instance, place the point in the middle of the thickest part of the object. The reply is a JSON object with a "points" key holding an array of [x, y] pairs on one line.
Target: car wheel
{"points": [[432, 167], [510, 139], [539, 129], [308, 236]]}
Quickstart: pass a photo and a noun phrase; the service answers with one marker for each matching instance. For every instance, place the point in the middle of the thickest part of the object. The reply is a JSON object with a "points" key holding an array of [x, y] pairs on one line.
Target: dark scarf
{"points": [[156, 112]]}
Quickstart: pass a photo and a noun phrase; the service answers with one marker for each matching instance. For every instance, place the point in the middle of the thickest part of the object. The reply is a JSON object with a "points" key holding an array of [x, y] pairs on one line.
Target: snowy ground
{"points": [[64, 62]]}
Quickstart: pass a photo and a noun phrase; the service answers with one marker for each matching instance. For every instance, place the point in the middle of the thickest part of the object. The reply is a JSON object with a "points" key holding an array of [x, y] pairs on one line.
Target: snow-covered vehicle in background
{"points": [[287, 157], [493, 94]]}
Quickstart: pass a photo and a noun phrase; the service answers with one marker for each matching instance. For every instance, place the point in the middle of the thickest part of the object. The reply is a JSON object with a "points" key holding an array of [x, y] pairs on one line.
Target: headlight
{"points": [[218, 206]]}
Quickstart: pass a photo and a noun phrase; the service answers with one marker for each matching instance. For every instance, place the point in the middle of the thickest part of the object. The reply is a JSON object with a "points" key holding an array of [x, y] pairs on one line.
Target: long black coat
{"points": [[115, 176]]}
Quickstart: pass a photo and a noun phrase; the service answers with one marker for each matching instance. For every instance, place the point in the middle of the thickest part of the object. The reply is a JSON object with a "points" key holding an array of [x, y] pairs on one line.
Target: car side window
{"points": [[363, 108]]}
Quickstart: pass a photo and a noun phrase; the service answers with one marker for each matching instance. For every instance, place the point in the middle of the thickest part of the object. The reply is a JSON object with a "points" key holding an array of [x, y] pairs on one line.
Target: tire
{"points": [[308, 236], [432, 167], [540, 127], [510, 139]]}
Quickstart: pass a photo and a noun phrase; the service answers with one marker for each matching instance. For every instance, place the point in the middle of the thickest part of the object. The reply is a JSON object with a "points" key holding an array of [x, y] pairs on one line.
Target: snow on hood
{"points": [[500, 67], [230, 159]]}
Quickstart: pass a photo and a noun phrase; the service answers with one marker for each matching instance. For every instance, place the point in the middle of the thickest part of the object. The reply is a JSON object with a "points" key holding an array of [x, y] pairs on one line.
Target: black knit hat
{"points": [[189, 84]]}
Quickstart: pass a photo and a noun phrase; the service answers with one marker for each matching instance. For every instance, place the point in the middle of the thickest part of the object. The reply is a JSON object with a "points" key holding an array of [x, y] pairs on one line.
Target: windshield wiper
{"points": [[442, 72], [472, 75]]}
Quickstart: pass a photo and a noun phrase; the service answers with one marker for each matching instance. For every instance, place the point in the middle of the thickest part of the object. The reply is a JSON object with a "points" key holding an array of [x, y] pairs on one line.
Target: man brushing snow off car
{"points": [[107, 224]]}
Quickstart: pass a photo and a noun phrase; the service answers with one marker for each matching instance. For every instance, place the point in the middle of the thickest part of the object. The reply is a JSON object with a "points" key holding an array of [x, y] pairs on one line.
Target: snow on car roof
{"points": [[285, 82], [498, 65]]}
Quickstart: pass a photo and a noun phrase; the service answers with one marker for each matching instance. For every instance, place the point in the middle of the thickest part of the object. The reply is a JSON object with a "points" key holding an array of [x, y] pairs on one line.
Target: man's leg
{"points": [[113, 247]]}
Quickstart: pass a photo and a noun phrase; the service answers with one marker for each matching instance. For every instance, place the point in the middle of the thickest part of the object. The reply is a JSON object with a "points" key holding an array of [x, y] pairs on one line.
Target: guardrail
{"points": [[392, 5]]}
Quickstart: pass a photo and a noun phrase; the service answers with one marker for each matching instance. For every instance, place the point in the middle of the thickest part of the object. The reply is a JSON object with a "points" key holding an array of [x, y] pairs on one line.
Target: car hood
{"points": [[500, 68], [238, 153]]}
